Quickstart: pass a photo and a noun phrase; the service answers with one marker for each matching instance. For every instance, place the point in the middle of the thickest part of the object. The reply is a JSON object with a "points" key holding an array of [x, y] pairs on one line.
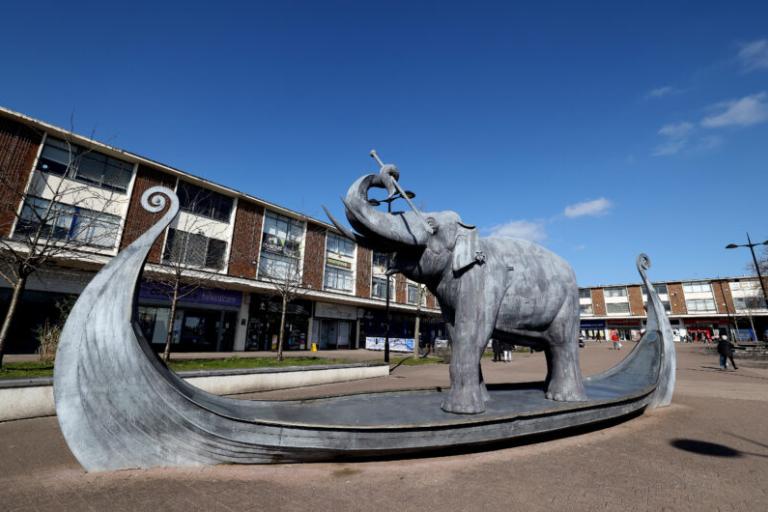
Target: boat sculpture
{"points": [[120, 407]]}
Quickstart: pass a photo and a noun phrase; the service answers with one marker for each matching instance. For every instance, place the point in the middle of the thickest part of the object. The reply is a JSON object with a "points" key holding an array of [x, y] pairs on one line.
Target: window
{"points": [[194, 249], [379, 288], [68, 223], [339, 247], [697, 288], [748, 303], [380, 262], [745, 285], [414, 294], [81, 164], [661, 289], [698, 305], [339, 279], [585, 293], [586, 309], [204, 202], [281, 247], [617, 308], [616, 292]]}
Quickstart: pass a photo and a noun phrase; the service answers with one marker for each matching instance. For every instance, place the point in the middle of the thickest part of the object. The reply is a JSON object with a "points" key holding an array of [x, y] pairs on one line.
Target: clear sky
{"points": [[599, 131]]}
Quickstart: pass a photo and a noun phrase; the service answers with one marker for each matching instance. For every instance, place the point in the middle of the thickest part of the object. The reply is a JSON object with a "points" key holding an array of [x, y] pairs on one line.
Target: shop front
{"points": [[627, 329], [205, 318], [263, 332], [705, 329], [593, 329], [335, 326]]}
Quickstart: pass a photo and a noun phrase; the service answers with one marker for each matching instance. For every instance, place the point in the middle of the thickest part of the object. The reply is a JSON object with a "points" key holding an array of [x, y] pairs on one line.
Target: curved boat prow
{"points": [[657, 321]]}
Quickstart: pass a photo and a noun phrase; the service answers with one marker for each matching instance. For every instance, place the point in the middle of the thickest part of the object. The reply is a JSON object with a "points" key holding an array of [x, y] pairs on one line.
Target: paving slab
{"points": [[708, 451]]}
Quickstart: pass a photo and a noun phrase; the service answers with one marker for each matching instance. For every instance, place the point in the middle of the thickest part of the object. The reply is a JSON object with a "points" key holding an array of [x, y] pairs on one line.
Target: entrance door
{"points": [[345, 331], [328, 333]]}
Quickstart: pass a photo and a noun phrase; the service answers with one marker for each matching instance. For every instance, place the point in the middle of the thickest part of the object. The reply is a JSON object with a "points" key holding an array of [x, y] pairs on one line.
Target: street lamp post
{"points": [[376, 202], [754, 259]]}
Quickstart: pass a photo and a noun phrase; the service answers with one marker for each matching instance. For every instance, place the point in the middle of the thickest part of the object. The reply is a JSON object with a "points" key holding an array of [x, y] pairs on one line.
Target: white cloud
{"points": [[533, 231], [754, 55], [660, 92], [676, 130], [594, 207], [677, 135], [745, 111]]}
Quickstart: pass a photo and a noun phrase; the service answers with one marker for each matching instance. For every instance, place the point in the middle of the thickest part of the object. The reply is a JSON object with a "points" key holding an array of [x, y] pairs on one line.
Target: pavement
{"points": [[708, 451]]}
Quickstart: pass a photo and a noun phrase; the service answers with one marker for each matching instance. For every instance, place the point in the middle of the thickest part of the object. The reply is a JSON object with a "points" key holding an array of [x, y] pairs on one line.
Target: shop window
{"points": [[204, 202], [194, 249], [67, 223], [84, 165]]}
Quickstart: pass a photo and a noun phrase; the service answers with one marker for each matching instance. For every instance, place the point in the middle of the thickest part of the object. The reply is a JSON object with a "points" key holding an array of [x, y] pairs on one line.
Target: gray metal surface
{"points": [[508, 289], [120, 407]]}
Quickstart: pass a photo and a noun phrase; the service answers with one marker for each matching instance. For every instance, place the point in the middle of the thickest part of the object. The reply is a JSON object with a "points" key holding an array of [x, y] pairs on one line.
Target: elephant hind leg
{"points": [[564, 381]]}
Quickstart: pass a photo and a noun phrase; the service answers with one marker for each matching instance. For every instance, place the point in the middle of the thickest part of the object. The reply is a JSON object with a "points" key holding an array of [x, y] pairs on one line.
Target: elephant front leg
{"points": [[468, 393]]}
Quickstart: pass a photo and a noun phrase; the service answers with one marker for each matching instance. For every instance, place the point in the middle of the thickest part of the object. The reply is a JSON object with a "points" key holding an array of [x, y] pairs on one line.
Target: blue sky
{"points": [[599, 131]]}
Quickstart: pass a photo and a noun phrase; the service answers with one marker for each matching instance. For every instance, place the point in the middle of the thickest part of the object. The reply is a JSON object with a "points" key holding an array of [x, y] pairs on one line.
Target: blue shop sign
{"points": [[201, 296], [593, 324]]}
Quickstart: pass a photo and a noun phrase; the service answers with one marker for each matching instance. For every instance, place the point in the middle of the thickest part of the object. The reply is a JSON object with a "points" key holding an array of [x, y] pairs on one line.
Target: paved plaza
{"points": [[708, 451]]}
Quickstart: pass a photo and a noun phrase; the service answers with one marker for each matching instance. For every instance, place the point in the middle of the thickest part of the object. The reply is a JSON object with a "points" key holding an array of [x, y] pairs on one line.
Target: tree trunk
{"points": [[18, 288], [416, 334], [282, 332], [171, 323]]}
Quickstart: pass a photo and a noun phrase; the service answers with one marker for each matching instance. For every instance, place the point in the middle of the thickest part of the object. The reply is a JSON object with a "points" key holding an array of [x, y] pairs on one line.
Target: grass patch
{"points": [[233, 363], [29, 369], [26, 370]]}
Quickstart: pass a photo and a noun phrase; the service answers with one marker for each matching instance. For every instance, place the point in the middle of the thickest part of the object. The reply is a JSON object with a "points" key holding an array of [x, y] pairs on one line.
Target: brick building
{"points": [[239, 242], [698, 309], [242, 240]]}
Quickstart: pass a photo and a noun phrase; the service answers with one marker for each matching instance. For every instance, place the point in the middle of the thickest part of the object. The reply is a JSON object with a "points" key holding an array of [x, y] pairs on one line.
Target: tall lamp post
{"points": [[754, 259], [377, 202]]}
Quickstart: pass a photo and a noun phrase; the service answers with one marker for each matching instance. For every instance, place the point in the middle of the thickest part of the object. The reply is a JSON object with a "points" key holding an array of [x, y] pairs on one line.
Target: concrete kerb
{"points": [[31, 398]]}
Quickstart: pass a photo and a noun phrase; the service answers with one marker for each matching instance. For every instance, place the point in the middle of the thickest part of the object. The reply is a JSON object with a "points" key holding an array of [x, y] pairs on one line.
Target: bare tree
{"points": [[60, 215], [187, 257], [286, 281]]}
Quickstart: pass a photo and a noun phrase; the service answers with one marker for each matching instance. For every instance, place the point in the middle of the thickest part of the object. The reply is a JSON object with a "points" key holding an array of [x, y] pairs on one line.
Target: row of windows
{"points": [[615, 292], [697, 305], [58, 221], [697, 288], [194, 249], [84, 165]]}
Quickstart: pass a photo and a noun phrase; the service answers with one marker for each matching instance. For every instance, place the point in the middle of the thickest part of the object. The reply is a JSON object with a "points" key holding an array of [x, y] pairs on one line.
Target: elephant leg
{"points": [[483, 388], [564, 381], [471, 328]]}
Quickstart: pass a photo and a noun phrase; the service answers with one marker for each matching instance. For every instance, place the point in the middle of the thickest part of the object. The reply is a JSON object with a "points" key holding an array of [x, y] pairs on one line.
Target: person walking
{"points": [[725, 349], [496, 344]]}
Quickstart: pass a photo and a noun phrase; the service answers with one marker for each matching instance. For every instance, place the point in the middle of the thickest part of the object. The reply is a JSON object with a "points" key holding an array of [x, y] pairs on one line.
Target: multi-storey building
{"points": [[238, 243], [234, 242], [699, 309]]}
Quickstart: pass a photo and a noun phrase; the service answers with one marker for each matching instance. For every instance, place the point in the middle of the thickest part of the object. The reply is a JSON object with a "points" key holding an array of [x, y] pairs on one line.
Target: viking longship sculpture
{"points": [[120, 407]]}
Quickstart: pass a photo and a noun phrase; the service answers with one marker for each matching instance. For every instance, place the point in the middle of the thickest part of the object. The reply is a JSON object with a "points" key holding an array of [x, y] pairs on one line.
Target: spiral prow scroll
{"points": [[120, 407]]}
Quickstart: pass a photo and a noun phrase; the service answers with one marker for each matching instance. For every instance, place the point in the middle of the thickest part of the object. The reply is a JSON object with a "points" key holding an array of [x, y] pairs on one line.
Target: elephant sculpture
{"points": [[507, 289]]}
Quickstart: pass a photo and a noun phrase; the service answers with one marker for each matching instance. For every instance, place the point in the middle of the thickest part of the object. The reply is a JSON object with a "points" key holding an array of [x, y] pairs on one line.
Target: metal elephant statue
{"points": [[501, 288]]}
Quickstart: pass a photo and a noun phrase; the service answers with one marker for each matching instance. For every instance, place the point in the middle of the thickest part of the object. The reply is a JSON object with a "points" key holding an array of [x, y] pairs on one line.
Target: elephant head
{"points": [[425, 244]]}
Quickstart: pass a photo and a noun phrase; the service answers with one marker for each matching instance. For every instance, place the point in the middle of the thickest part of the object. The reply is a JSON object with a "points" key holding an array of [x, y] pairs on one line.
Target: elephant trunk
{"points": [[401, 228]]}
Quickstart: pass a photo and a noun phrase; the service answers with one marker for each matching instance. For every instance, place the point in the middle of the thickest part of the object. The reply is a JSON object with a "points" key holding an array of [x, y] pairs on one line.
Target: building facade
{"points": [[235, 245], [699, 310]]}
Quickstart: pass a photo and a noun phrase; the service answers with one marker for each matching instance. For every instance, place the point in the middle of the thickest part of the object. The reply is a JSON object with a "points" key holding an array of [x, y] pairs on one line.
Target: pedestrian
{"points": [[615, 340], [496, 344], [725, 349]]}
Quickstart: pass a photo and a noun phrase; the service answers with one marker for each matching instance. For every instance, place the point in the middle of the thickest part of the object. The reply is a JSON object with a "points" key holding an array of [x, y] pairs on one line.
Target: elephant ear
{"points": [[466, 251]]}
